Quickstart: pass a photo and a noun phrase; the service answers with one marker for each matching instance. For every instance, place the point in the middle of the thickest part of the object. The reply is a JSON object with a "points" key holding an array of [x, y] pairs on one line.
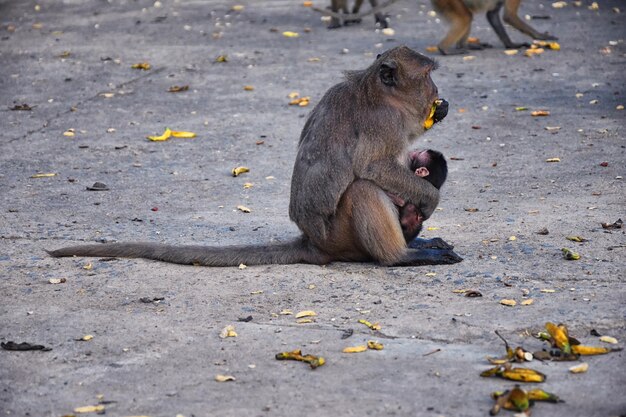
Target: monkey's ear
{"points": [[388, 73]]}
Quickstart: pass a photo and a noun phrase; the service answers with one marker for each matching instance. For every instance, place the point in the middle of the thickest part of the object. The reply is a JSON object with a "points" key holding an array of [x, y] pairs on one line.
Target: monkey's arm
{"points": [[389, 175], [511, 17]]}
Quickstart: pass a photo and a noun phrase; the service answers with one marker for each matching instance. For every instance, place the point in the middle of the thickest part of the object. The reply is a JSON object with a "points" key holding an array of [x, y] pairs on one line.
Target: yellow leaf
{"points": [[248, 185], [304, 320], [237, 8], [509, 303], [527, 302], [239, 170], [375, 345], [182, 134], [432, 228], [540, 113], [432, 48], [289, 34], [221, 58], [430, 274], [69, 133], [286, 312], [579, 369], [224, 378], [374, 326], [306, 313], [44, 175], [355, 349], [90, 409], [608, 339], [87, 337], [228, 331], [511, 51], [142, 66], [165, 136], [553, 160], [88, 267], [248, 87], [243, 209], [547, 290]]}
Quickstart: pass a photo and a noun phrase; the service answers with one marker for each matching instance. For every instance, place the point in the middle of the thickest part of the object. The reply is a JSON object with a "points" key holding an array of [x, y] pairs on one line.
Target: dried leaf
{"points": [[355, 349], [90, 409], [432, 48], [289, 34], [86, 338], [178, 88], [165, 136], [141, 66], [527, 302], [239, 170], [375, 345], [44, 175], [57, 280], [579, 369], [243, 209], [576, 238], [183, 134], [540, 113], [221, 58], [511, 52], [224, 378], [509, 303], [374, 326], [248, 88], [306, 313], [313, 361], [228, 331], [608, 339], [570, 255], [553, 160]]}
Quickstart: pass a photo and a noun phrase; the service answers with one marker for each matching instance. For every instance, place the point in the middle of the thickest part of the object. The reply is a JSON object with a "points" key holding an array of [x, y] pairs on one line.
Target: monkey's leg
{"points": [[355, 10], [378, 232], [512, 18], [460, 19], [493, 16], [335, 5], [381, 19]]}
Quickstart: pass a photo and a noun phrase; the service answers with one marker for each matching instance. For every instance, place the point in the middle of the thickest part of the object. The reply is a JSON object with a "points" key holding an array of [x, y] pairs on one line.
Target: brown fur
{"points": [[349, 155], [459, 14]]}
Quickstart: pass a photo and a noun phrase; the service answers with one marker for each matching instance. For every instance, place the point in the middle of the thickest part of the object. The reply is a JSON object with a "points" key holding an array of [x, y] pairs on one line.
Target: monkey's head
{"points": [[435, 164], [403, 78]]}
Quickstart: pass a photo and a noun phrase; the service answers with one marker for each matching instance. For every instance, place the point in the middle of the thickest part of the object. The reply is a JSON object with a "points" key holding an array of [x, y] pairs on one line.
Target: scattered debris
{"points": [[296, 355], [10, 345]]}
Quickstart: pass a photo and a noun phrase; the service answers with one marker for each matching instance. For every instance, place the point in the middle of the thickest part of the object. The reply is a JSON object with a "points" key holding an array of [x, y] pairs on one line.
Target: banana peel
{"points": [[506, 371], [518, 399], [560, 337], [592, 350], [430, 120], [168, 133], [296, 355]]}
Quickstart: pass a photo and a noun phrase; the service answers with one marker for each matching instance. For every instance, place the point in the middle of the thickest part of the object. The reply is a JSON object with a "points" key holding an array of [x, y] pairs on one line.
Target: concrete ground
{"points": [[70, 61]]}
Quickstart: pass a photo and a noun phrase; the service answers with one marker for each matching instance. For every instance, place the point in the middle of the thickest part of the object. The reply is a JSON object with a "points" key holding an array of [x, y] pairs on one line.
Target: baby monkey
{"points": [[432, 166]]}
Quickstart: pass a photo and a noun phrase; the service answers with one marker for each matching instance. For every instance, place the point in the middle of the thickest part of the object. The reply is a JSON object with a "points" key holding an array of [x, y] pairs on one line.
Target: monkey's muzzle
{"points": [[441, 110], [438, 111]]}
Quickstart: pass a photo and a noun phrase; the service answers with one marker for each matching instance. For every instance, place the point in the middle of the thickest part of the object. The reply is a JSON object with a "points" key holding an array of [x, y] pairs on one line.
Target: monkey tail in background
{"points": [[296, 251]]}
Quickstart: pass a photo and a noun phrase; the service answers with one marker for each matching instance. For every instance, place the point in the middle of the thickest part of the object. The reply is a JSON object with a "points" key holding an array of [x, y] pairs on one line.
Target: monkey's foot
{"points": [[434, 243], [456, 51], [478, 46], [348, 22], [545, 37], [421, 257], [517, 45], [382, 21]]}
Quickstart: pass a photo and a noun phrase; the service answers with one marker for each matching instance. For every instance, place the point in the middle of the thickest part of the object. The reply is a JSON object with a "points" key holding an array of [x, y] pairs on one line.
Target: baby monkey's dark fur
{"points": [[352, 151]]}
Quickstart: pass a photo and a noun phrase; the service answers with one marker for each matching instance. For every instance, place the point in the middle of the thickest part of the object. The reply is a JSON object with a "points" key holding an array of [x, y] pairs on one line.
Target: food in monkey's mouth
{"points": [[430, 121]]}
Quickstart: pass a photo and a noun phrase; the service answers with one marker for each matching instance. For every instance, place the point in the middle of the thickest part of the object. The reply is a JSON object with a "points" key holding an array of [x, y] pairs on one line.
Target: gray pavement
{"points": [[71, 62]]}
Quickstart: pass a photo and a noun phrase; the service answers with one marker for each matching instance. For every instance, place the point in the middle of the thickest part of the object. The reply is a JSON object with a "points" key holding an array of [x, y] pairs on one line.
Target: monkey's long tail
{"points": [[297, 251]]}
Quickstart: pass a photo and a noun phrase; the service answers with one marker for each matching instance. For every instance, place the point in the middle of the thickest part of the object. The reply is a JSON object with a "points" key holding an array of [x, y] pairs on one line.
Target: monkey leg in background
{"points": [[342, 5], [459, 13]]}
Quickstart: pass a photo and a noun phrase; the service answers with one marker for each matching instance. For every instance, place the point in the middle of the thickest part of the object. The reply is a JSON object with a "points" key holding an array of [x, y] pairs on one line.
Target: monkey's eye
{"points": [[378, 56]]}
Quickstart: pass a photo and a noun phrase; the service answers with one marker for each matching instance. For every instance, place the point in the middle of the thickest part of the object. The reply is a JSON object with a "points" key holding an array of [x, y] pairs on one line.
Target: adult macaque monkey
{"points": [[352, 151], [460, 13]]}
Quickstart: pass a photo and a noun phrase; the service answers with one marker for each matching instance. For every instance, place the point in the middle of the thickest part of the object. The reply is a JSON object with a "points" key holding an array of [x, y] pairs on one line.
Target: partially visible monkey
{"points": [[432, 166], [460, 13], [350, 154], [342, 5]]}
